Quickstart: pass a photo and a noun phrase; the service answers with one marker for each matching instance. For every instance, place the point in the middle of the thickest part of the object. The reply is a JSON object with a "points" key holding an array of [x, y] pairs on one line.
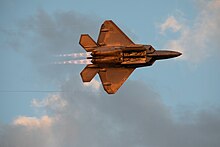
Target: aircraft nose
{"points": [[171, 54], [177, 53], [163, 54]]}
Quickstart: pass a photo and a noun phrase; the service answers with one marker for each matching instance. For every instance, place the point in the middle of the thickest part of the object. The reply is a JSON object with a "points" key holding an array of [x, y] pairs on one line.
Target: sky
{"points": [[174, 103]]}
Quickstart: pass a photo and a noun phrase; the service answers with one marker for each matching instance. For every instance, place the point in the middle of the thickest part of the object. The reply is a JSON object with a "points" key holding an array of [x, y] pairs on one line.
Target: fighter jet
{"points": [[114, 57]]}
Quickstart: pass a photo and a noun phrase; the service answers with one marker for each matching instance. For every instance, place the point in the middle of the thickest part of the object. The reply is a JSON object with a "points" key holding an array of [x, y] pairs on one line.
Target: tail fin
{"points": [[87, 42], [88, 73]]}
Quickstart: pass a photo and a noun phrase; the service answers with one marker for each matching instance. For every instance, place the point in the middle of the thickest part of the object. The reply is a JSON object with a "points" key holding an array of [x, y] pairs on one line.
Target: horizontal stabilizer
{"points": [[87, 42], [88, 73]]}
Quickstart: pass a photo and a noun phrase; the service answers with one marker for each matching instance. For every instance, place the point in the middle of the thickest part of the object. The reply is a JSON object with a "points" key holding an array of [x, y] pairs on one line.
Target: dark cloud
{"points": [[43, 35], [59, 32], [133, 117]]}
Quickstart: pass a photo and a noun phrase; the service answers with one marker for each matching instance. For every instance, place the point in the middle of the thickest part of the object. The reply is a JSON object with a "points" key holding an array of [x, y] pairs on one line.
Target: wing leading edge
{"points": [[113, 78]]}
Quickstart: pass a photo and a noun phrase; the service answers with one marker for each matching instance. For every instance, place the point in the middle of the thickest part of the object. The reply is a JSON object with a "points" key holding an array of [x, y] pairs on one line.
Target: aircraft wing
{"points": [[111, 35], [113, 78]]}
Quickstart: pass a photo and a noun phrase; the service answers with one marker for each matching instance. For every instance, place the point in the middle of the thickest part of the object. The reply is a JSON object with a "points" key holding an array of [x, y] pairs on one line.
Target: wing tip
{"points": [[108, 20], [109, 90]]}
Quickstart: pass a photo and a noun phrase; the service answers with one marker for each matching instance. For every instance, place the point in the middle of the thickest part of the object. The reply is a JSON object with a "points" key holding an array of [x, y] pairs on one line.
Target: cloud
{"points": [[135, 116], [51, 102], [42, 36], [33, 122], [94, 84], [170, 23], [200, 40]]}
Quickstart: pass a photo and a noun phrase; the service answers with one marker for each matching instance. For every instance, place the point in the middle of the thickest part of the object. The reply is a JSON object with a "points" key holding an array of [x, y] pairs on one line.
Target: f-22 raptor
{"points": [[114, 57]]}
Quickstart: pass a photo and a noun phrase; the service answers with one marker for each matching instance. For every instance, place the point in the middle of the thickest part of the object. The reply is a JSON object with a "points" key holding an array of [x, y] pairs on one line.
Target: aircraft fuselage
{"points": [[128, 56]]}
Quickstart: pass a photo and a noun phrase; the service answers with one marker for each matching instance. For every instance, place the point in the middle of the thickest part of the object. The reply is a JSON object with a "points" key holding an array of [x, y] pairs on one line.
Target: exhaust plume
{"points": [[75, 55], [83, 61]]}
